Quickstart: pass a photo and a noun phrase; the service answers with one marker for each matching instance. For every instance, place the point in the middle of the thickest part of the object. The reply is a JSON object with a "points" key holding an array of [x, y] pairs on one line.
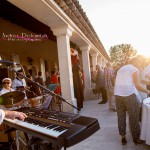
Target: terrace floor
{"points": [[107, 138]]}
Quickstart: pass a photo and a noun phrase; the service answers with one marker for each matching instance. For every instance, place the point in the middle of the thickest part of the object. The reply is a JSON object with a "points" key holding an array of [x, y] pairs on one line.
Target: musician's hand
{"points": [[15, 114]]}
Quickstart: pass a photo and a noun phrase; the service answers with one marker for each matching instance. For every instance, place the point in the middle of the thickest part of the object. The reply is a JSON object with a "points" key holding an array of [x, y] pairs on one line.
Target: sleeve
{"points": [[24, 82], [2, 115]]}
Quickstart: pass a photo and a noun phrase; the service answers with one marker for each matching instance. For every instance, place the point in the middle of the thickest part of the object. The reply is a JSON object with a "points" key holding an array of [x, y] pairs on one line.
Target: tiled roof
{"points": [[71, 7], [74, 10]]}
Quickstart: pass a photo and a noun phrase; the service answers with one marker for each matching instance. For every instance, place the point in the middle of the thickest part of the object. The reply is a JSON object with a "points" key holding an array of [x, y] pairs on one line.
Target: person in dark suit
{"points": [[100, 84], [78, 86]]}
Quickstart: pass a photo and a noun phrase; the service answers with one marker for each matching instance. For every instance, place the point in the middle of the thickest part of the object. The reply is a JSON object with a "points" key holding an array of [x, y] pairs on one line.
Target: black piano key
{"points": [[52, 126], [60, 128]]}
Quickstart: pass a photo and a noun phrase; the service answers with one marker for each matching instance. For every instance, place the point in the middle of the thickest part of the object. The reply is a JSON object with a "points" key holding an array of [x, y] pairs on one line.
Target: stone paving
{"points": [[107, 138]]}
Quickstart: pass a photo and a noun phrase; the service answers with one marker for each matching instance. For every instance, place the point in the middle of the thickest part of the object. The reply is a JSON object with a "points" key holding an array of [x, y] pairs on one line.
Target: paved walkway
{"points": [[107, 138]]}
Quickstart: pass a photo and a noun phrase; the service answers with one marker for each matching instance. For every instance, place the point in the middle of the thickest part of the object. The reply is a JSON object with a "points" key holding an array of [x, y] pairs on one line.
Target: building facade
{"points": [[39, 35]]}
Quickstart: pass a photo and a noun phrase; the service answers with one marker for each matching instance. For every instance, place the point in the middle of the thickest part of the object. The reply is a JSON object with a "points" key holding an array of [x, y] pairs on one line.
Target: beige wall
{"points": [[45, 49]]}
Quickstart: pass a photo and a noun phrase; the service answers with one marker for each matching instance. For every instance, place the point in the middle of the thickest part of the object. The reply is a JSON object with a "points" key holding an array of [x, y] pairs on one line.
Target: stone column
{"points": [[87, 73], [63, 34], [94, 60]]}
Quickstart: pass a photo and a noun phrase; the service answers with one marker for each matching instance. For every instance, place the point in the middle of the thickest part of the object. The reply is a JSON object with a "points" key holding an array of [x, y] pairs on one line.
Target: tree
{"points": [[121, 53]]}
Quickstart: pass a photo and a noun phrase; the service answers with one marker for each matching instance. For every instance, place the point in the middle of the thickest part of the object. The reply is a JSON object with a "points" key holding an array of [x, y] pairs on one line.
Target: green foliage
{"points": [[121, 53]]}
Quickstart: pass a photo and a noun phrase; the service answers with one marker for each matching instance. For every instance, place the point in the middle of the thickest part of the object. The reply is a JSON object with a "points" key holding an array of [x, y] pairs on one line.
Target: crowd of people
{"points": [[32, 89], [52, 82], [18, 93], [29, 88], [104, 80], [125, 86]]}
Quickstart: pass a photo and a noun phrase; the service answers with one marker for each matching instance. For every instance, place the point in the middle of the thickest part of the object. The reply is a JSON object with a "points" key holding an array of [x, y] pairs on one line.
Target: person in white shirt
{"points": [[11, 115], [126, 85], [19, 83], [6, 83]]}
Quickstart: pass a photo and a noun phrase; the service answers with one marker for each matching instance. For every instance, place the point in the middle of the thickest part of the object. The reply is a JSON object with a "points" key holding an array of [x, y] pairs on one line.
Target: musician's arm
{"points": [[14, 114], [11, 115]]}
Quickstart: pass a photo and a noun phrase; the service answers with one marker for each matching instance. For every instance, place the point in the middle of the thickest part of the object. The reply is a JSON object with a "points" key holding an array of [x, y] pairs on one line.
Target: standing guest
{"points": [[74, 56], [54, 80], [109, 84], [78, 87], [31, 74], [126, 85], [93, 84], [100, 84], [93, 76], [40, 81], [19, 82], [32, 89], [48, 78], [49, 84]]}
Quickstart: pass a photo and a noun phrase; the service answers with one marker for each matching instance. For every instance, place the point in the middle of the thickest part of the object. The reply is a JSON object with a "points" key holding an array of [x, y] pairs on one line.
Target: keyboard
{"points": [[60, 128]]}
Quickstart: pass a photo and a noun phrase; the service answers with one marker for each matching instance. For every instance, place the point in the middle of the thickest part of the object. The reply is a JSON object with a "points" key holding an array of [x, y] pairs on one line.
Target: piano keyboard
{"points": [[39, 126], [60, 128]]}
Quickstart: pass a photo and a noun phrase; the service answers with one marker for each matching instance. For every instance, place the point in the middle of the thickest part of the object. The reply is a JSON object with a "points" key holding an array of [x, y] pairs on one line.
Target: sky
{"points": [[120, 22]]}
